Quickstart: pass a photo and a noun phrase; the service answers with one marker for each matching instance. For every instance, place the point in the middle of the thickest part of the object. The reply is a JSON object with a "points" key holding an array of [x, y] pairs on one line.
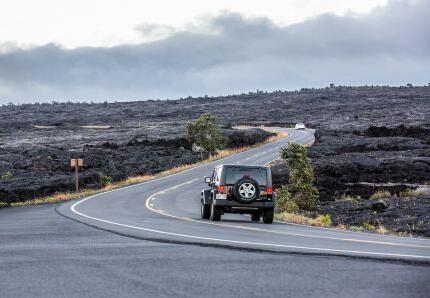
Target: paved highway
{"points": [[169, 209], [43, 254]]}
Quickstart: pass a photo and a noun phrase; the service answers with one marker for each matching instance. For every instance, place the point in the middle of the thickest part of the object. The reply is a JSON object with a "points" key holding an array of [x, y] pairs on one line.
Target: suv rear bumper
{"points": [[230, 203]]}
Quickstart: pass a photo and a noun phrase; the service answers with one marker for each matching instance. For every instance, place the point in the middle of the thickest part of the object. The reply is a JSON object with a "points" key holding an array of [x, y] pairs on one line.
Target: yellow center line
{"points": [[269, 231]]}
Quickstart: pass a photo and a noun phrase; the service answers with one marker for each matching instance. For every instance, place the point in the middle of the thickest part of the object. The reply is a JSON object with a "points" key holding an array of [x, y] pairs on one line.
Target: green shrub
{"points": [[368, 226], [325, 220], [356, 228], [105, 180], [6, 176], [284, 201], [305, 196], [301, 177]]}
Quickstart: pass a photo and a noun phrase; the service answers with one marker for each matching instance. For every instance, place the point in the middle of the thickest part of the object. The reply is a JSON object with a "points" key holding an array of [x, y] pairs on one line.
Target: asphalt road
{"points": [[44, 254], [169, 209]]}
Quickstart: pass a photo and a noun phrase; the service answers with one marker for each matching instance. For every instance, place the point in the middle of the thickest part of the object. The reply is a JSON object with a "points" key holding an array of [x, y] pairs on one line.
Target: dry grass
{"points": [[380, 194], [44, 126], [61, 197], [356, 228], [82, 126], [96, 126], [349, 198], [405, 234], [325, 221], [320, 221], [407, 193], [412, 193], [381, 230], [58, 197]]}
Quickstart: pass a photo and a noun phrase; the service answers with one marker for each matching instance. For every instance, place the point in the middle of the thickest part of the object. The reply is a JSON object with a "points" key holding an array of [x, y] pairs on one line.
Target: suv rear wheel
{"points": [[268, 215], [216, 212], [205, 211]]}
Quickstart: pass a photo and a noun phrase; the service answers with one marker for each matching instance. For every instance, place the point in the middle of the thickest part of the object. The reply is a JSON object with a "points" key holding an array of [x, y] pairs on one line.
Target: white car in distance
{"points": [[300, 126]]}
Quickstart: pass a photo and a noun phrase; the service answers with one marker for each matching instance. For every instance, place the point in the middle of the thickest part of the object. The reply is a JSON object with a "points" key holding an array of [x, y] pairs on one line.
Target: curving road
{"points": [[168, 210]]}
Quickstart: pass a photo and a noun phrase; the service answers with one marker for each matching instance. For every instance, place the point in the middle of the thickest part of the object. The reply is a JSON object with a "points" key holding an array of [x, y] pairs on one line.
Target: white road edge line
{"points": [[241, 242], [73, 209]]}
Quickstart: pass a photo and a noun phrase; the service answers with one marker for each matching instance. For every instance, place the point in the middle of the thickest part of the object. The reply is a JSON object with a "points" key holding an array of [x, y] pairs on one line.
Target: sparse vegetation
{"points": [[61, 197], [350, 198], [330, 159], [381, 230], [411, 193], [380, 194], [325, 219], [369, 227], [105, 180], [356, 228], [320, 221], [96, 126], [6, 176], [407, 193]]}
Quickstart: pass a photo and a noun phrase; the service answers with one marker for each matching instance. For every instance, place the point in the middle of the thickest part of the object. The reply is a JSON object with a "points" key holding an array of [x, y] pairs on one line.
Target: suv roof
{"points": [[242, 166]]}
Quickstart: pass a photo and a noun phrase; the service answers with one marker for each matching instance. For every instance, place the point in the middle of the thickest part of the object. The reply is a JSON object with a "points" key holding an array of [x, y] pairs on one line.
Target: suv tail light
{"points": [[269, 190], [221, 188]]}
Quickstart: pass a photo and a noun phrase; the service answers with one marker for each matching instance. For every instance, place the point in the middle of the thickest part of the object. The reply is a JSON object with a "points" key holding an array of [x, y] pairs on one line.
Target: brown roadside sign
{"points": [[76, 162]]}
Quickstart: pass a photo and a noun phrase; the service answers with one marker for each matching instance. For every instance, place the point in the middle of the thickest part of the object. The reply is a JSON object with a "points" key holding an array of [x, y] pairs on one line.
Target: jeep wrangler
{"points": [[239, 189]]}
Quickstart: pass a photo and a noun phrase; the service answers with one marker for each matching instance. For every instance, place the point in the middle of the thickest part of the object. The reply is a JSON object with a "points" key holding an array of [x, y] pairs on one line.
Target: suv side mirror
{"points": [[208, 180]]}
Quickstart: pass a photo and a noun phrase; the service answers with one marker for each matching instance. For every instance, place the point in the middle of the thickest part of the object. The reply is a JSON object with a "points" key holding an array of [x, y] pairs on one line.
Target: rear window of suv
{"points": [[233, 174]]}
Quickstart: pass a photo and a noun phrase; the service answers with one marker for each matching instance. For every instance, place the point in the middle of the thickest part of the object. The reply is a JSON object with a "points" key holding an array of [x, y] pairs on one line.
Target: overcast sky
{"points": [[129, 49]]}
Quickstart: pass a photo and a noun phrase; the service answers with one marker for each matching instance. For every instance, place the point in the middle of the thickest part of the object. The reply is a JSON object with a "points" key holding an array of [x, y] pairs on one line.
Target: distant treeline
{"points": [[249, 94]]}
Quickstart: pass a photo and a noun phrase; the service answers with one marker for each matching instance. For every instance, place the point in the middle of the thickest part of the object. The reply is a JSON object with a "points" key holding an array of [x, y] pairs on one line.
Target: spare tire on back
{"points": [[246, 190]]}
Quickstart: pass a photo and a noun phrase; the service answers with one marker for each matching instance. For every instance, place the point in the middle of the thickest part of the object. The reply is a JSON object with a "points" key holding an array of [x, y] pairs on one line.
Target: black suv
{"points": [[239, 189]]}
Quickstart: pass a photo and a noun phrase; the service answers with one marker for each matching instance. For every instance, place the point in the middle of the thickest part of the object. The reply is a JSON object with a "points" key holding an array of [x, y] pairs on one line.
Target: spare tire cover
{"points": [[246, 190]]}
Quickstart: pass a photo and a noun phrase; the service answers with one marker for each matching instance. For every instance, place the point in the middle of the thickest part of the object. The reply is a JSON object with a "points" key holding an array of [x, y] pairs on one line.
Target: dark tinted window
{"points": [[213, 176], [234, 174]]}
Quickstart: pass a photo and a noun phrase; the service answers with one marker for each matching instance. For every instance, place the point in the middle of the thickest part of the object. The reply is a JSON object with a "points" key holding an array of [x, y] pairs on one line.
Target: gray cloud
{"points": [[389, 46], [155, 31]]}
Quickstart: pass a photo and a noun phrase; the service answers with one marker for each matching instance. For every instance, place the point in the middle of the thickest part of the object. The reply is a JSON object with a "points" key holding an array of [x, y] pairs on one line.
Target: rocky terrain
{"points": [[359, 162], [40, 168], [368, 138], [401, 215]]}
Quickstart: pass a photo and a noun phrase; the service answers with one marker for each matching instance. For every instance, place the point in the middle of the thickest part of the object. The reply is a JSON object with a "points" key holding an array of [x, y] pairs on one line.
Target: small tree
{"points": [[301, 177], [204, 133]]}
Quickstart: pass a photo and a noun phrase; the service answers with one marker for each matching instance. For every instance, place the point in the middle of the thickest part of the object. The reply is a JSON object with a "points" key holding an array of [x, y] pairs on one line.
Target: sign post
{"points": [[76, 163]]}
